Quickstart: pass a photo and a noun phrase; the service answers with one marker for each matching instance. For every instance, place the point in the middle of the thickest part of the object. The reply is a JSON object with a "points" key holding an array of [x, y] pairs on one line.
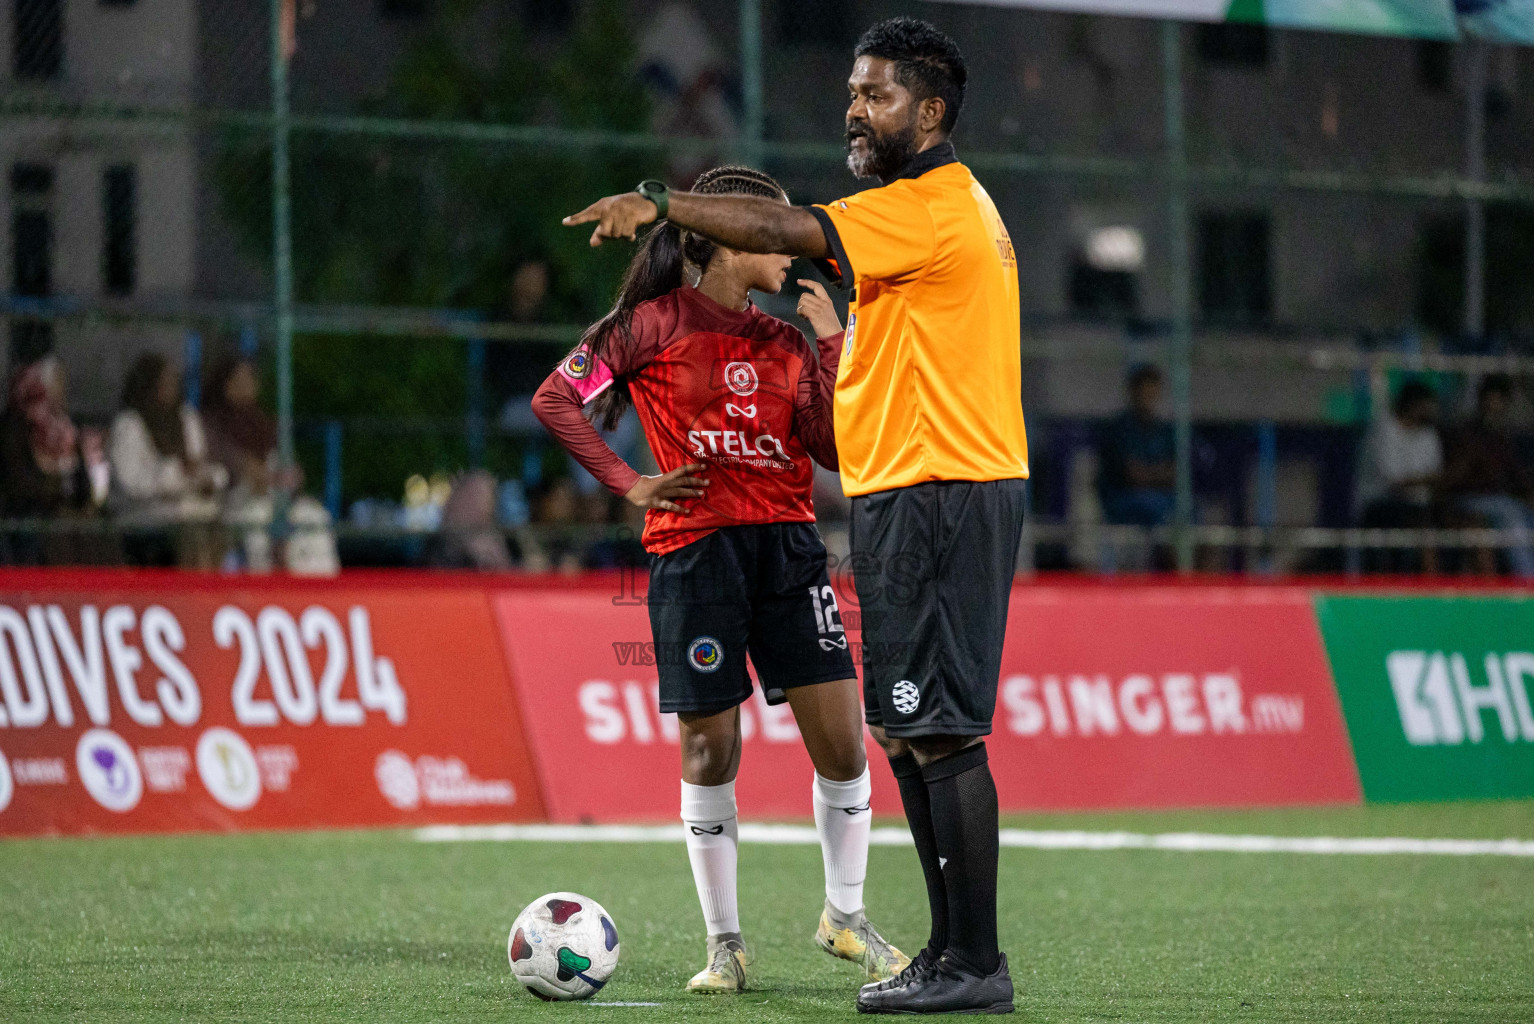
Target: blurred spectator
{"points": [[1482, 477], [1137, 472], [242, 439], [470, 538], [527, 292], [1137, 458], [690, 84], [49, 469], [162, 482], [1401, 463]]}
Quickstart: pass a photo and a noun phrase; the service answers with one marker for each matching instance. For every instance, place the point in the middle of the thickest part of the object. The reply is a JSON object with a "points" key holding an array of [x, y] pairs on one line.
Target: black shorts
{"points": [[933, 564], [760, 589]]}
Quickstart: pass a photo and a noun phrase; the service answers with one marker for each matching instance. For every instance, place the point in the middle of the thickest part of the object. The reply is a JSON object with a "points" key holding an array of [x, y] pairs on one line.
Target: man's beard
{"points": [[883, 156]]}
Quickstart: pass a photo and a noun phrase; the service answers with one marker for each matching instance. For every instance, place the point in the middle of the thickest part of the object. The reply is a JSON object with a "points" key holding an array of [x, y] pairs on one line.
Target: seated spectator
{"points": [[48, 468], [242, 439], [163, 485], [1482, 477], [469, 537], [1137, 473], [1401, 463]]}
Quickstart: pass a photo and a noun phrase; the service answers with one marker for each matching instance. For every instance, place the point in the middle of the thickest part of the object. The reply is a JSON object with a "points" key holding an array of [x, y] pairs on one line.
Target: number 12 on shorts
{"points": [[826, 611]]}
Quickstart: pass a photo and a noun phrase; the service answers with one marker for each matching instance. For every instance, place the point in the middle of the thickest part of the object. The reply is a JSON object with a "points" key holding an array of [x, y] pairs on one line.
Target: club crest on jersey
{"points": [[852, 325], [579, 364], [705, 654], [741, 378]]}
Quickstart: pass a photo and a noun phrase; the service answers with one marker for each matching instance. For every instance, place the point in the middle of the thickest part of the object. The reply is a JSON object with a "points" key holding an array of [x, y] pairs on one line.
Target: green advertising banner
{"points": [[1506, 21], [1436, 692]]}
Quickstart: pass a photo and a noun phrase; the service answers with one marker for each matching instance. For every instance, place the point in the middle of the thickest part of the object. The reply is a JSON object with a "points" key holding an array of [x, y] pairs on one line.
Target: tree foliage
{"points": [[426, 222]]}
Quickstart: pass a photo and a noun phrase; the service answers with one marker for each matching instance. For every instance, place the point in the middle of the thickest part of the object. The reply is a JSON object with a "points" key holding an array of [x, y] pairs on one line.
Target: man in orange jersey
{"points": [[929, 432]]}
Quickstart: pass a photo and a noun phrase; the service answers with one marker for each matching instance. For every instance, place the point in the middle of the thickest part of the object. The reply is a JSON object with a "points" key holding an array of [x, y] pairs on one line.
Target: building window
{"points": [[1234, 276], [402, 8], [828, 23], [31, 229], [548, 15], [37, 38], [1435, 65], [1105, 274], [119, 223], [1234, 44]]}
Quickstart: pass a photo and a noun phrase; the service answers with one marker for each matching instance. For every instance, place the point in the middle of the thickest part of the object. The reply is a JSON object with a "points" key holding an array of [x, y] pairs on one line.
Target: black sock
{"points": [[918, 813], [964, 818]]}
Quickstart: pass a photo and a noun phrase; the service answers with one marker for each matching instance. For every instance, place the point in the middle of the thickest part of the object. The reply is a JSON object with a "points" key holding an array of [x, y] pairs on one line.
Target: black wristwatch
{"points": [[657, 193]]}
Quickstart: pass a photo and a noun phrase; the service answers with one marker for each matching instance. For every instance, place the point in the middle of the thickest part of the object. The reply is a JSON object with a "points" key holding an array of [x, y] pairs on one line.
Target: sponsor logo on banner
{"points": [[40, 771], [1173, 703], [1443, 699], [108, 770], [176, 706], [165, 768], [227, 767], [437, 782], [1438, 693], [6, 785]]}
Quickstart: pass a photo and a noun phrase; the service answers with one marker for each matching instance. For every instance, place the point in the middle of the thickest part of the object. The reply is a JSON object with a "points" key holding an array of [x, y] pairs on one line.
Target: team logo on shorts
{"points": [[906, 697], [579, 363], [741, 378], [705, 654]]}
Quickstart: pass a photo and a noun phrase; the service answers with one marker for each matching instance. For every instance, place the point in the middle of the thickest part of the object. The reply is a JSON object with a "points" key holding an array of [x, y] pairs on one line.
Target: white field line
{"points": [[1182, 842]]}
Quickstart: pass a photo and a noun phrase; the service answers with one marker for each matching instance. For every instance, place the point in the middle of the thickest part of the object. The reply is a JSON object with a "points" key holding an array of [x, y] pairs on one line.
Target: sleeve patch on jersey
{"points": [[590, 377]]}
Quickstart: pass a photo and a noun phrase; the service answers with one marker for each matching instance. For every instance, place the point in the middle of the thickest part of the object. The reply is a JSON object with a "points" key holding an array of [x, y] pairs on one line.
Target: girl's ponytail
{"points": [[659, 267], [655, 270]]}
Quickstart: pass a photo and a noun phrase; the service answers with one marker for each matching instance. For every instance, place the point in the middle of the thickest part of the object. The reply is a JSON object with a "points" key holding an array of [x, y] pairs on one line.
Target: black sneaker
{"points": [[948, 986], [923, 963]]}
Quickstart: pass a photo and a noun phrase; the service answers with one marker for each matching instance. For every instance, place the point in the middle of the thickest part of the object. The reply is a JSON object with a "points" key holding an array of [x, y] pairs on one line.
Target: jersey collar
{"points": [[929, 159], [723, 315]]}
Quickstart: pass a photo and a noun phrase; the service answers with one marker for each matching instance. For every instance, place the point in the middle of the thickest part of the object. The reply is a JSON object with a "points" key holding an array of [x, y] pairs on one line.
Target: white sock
{"points": [[713, 834], [842, 819]]}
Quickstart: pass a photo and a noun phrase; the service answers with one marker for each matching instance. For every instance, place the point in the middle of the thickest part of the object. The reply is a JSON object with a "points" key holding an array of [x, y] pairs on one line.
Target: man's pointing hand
{"points": [[617, 216]]}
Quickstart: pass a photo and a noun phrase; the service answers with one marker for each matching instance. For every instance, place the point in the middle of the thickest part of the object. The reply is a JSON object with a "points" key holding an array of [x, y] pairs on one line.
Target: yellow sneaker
{"points": [[726, 970], [853, 937]]}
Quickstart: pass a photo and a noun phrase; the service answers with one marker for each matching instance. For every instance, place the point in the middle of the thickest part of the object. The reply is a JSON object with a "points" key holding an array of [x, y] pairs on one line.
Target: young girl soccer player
{"points": [[734, 407]]}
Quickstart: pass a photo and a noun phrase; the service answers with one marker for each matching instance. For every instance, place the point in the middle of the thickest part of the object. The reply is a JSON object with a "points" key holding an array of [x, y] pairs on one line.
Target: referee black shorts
{"points": [[761, 590], [933, 564]]}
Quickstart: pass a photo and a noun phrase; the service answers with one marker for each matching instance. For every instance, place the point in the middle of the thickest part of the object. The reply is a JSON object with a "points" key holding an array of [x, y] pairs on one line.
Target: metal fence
{"points": [[340, 191]]}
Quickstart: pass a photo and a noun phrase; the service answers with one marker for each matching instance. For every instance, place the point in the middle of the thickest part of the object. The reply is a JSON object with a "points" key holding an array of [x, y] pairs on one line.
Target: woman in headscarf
{"points": [[41, 445], [242, 438], [46, 466], [161, 475]]}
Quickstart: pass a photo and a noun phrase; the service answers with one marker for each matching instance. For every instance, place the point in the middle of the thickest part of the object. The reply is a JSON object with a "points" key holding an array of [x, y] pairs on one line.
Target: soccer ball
{"points": [[563, 946]]}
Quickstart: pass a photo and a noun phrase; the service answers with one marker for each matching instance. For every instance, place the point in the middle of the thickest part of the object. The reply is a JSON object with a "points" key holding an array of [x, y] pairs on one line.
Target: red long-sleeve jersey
{"points": [[737, 390]]}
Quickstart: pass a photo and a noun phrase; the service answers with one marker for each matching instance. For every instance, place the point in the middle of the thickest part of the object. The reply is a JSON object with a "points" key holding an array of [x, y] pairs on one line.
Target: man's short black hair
{"points": [[927, 62]]}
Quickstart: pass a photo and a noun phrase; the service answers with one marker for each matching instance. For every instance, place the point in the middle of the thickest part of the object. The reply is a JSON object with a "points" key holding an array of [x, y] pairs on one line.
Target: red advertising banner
{"points": [[588, 690], [165, 703], [1136, 697], [1167, 697]]}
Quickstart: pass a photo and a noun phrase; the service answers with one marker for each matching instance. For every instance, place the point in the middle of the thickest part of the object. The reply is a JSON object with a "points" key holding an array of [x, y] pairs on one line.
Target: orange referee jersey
{"points": [[930, 386]]}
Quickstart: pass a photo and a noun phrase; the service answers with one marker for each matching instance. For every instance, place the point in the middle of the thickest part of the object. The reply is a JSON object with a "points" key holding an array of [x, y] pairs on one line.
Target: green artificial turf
{"points": [[376, 926]]}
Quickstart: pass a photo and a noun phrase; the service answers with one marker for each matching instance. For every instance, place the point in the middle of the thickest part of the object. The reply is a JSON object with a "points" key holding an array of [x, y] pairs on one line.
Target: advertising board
{"points": [[140, 709]]}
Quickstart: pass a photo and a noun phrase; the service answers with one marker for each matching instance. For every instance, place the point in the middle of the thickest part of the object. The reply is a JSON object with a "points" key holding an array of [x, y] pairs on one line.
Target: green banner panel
{"points": [[1436, 692]]}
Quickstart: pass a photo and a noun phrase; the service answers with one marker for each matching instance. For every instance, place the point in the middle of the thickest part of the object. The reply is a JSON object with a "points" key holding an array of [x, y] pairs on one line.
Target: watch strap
{"points": [[658, 193]]}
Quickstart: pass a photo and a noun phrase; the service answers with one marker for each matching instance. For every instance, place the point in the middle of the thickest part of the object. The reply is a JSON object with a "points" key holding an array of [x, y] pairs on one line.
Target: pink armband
{"points": [[589, 377]]}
